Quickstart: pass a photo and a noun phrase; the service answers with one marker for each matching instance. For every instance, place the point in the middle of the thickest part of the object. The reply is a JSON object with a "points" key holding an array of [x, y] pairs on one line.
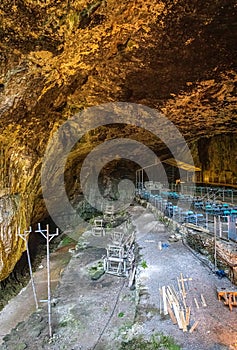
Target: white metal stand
{"points": [[25, 236], [48, 237]]}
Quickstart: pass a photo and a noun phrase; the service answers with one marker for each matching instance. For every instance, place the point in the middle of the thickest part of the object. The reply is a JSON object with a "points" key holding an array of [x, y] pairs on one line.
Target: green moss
{"points": [[66, 241], [96, 271], [159, 341], [144, 264]]}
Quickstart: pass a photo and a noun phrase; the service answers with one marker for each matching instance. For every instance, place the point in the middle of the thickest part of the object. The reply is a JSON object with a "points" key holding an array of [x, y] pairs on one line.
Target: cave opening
{"points": [[114, 151]]}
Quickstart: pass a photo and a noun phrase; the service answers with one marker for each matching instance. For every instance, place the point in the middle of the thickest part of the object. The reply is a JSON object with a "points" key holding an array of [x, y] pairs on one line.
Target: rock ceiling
{"points": [[61, 56], [58, 57]]}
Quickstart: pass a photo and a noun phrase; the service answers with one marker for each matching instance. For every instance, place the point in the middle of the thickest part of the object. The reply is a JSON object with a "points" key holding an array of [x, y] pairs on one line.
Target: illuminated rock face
{"points": [[217, 157], [58, 57]]}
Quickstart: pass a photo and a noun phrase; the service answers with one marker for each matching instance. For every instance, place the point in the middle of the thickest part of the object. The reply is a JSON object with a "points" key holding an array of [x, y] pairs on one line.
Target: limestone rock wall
{"points": [[20, 186], [217, 157], [59, 57]]}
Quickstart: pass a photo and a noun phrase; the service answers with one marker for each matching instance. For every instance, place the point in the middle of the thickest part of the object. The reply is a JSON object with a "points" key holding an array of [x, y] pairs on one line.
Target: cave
{"points": [[93, 91]]}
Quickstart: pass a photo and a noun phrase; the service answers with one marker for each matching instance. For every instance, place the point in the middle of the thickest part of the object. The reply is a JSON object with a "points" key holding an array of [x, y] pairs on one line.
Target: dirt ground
{"points": [[23, 305], [99, 314]]}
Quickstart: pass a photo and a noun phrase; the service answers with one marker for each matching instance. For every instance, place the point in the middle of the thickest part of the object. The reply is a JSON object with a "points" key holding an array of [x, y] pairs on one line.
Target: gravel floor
{"points": [[217, 324], [96, 315]]}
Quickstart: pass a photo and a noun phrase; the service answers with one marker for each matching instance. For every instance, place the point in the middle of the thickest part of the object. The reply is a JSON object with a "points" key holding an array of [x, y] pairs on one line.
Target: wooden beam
{"points": [[183, 320], [187, 279], [169, 297], [203, 301], [172, 316], [184, 301], [188, 312], [160, 300], [183, 286], [179, 286], [176, 312], [164, 300], [173, 295], [230, 301], [193, 326], [195, 300], [132, 276]]}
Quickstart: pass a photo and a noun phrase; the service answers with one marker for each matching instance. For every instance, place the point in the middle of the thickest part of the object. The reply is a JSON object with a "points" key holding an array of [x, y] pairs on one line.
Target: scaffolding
{"points": [[109, 212], [115, 262], [98, 228], [165, 172], [120, 255]]}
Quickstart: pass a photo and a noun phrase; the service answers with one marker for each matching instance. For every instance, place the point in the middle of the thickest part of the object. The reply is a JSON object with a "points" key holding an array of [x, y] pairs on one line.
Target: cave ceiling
{"points": [[59, 57]]}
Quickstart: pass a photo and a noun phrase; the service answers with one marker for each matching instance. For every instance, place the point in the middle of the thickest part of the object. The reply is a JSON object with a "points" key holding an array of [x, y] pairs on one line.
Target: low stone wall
{"points": [[225, 252]]}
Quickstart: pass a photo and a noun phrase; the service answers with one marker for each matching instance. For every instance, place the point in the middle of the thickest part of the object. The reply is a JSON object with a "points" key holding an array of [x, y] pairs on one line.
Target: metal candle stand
{"points": [[25, 236], [45, 233]]}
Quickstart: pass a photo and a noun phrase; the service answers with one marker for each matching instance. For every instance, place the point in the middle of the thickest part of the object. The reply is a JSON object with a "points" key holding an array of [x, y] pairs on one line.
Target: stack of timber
{"points": [[173, 303], [229, 297]]}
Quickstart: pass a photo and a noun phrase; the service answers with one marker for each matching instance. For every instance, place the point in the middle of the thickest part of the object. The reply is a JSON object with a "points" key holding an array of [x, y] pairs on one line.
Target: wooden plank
{"points": [[197, 228], [229, 298], [160, 300], [176, 312], [221, 291], [187, 279], [195, 300], [172, 295], [184, 301], [182, 284], [193, 326], [203, 301], [226, 302], [180, 291], [169, 297], [164, 300], [132, 276], [183, 320], [230, 301], [172, 316], [188, 312]]}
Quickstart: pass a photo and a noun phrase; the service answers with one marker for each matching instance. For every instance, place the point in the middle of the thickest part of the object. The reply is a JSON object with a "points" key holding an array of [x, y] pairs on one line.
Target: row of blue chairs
{"points": [[213, 208], [171, 210], [183, 215]]}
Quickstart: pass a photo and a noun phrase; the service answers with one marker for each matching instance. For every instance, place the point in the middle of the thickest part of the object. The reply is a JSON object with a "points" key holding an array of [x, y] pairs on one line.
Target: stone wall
{"points": [[217, 157], [225, 252]]}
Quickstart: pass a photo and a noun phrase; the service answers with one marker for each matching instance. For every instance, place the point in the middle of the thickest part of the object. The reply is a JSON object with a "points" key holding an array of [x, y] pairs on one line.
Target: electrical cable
{"points": [[112, 314]]}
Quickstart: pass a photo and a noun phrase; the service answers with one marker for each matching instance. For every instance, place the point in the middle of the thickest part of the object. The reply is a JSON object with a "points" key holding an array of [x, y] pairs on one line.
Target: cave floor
{"points": [[22, 306], [99, 314]]}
